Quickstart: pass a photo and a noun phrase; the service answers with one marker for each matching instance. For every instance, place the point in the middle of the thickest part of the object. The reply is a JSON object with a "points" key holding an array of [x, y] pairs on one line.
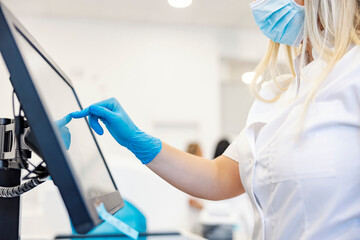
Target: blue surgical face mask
{"points": [[280, 20]]}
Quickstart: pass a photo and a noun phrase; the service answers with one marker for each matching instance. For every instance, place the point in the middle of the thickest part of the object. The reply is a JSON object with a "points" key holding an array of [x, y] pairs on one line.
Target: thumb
{"points": [[94, 123]]}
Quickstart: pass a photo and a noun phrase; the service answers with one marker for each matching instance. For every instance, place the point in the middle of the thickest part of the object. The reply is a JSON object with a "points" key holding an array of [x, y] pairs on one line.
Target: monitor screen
{"points": [[59, 100], [68, 147]]}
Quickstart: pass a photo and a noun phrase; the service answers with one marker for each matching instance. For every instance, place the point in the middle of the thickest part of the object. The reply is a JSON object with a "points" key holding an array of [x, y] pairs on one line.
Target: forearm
{"points": [[209, 179]]}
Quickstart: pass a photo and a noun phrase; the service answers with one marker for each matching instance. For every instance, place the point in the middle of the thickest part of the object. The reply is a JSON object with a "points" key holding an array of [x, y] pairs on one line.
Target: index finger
{"points": [[65, 120], [80, 114]]}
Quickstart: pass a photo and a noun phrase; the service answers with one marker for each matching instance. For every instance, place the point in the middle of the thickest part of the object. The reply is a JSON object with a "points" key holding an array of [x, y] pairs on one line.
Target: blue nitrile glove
{"points": [[64, 131], [123, 130]]}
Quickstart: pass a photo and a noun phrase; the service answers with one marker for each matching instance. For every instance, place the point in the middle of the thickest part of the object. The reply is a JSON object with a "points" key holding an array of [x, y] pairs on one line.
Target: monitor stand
{"points": [[9, 207], [10, 176]]}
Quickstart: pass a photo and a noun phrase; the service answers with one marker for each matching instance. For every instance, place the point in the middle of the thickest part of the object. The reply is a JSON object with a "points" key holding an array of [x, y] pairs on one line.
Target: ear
{"points": [[300, 2]]}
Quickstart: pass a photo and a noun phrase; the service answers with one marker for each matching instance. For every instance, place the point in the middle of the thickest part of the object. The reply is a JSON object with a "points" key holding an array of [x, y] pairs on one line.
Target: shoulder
{"points": [[234, 150]]}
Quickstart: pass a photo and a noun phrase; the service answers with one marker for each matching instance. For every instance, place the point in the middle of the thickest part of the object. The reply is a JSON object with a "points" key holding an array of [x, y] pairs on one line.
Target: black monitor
{"points": [[47, 96]]}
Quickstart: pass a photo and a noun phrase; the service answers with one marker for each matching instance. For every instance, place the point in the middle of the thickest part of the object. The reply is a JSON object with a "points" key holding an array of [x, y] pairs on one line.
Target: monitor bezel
{"points": [[81, 210]]}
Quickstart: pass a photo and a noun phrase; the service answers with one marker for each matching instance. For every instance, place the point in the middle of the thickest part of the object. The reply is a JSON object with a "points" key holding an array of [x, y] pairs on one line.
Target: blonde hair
{"points": [[331, 27]]}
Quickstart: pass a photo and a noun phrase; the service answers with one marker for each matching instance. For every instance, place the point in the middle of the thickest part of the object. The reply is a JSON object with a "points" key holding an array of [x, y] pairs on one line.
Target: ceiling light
{"points": [[180, 3], [248, 77]]}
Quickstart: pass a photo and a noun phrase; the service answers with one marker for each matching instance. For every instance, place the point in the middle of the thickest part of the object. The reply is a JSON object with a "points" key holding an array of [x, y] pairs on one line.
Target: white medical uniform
{"points": [[307, 187]]}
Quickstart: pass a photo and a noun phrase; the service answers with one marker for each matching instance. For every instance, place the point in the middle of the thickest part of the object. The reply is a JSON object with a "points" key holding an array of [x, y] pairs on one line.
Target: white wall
{"points": [[167, 78]]}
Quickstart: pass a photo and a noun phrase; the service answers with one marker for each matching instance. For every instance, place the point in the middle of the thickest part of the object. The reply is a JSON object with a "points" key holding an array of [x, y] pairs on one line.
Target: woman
{"points": [[298, 157]]}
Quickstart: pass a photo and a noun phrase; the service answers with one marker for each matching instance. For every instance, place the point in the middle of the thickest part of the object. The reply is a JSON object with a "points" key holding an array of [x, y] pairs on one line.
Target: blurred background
{"points": [[178, 72]]}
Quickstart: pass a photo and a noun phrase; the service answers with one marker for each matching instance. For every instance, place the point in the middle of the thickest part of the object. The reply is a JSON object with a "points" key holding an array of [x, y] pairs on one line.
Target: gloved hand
{"points": [[121, 127], [64, 131]]}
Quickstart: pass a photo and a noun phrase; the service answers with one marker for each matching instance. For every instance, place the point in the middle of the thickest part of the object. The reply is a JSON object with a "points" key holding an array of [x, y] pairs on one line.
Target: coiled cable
{"points": [[11, 192]]}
